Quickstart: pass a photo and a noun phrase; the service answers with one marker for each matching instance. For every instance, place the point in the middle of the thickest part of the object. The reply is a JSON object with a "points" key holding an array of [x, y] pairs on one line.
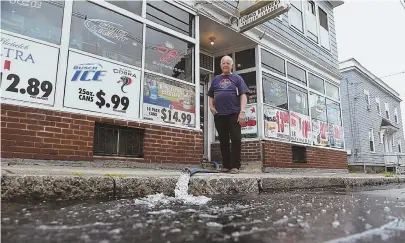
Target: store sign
{"points": [[262, 14], [300, 128], [167, 103], [169, 57], [28, 3], [320, 134], [336, 136], [101, 86], [22, 70], [249, 128], [276, 123], [106, 30]]}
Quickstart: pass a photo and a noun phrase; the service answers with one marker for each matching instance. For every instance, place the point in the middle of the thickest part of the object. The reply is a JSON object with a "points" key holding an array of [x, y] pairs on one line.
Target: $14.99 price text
{"points": [[33, 89], [173, 116]]}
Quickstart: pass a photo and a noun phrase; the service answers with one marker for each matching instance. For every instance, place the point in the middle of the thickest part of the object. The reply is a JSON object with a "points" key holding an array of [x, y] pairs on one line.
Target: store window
{"points": [[317, 105], [168, 55], [105, 33], [333, 112], [332, 91], [132, 6], [316, 83], [275, 91], [168, 101], [172, 17], [37, 19], [245, 59], [295, 73], [273, 62], [250, 81], [298, 98]]}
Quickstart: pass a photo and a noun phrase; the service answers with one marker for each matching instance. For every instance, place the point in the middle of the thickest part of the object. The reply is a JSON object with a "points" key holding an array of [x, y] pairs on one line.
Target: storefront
{"points": [[127, 81]]}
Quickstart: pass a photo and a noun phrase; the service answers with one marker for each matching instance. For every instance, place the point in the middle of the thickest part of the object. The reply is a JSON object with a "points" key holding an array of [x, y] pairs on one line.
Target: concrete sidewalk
{"points": [[22, 182]]}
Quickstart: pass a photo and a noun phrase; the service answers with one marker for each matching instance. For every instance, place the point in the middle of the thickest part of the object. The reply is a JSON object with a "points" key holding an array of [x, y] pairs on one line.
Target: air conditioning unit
{"points": [[206, 62]]}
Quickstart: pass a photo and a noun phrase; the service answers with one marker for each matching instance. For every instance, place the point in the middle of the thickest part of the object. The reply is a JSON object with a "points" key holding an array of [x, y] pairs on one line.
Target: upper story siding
{"points": [[282, 29], [359, 116]]}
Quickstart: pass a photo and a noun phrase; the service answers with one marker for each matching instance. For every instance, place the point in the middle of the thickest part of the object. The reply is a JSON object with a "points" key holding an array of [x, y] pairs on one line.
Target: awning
{"points": [[388, 126]]}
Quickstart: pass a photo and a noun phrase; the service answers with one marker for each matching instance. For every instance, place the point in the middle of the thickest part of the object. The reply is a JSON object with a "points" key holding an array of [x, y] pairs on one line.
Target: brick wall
{"points": [[32, 133], [279, 155], [250, 151]]}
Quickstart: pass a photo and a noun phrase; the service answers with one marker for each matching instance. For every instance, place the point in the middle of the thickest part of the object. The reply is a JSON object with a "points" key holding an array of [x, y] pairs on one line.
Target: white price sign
{"points": [[28, 70], [96, 85], [167, 115]]}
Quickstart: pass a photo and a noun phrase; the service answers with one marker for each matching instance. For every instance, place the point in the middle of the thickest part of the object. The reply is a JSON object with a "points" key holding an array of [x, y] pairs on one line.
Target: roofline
{"points": [[336, 3], [353, 64]]}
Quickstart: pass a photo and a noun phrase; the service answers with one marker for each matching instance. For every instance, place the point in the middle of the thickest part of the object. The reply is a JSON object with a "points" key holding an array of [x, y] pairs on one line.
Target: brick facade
{"points": [[32, 133], [279, 155]]}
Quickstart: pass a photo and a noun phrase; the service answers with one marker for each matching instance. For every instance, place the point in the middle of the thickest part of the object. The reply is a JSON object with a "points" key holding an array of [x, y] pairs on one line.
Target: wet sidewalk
{"points": [[38, 182]]}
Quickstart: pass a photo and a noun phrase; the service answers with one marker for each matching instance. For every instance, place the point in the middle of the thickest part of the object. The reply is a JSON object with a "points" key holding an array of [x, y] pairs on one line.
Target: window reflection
{"points": [[296, 73], [318, 107], [168, 55], [106, 33], [333, 112], [273, 62], [170, 16], [37, 19], [275, 91], [298, 98], [332, 91], [132, 6]]}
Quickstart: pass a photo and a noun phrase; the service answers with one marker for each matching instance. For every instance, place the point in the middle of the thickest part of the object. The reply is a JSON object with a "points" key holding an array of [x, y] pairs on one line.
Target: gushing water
{"points": [[181, 189], [180, 194]]}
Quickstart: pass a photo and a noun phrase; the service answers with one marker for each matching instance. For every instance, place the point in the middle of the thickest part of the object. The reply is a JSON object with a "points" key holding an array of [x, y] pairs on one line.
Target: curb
{"points": [[63, 188]]}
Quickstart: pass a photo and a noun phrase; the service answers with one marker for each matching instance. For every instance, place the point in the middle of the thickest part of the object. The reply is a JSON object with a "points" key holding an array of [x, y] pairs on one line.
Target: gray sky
{"points": [[373, 32]]}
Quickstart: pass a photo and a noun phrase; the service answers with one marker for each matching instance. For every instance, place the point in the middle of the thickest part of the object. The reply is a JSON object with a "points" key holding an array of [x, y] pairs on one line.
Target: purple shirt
{"points": [[226, 91]]}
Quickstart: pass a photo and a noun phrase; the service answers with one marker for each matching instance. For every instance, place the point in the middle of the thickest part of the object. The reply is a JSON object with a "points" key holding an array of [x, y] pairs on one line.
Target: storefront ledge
{"points": [[98, 162], [286, 183], [304, 170]]}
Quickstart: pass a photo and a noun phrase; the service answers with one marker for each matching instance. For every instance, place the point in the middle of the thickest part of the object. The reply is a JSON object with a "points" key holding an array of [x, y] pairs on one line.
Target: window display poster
{"points": [[168, 101], [320, 134], [300, 126], [249, 128], [26, 73], [276, 123], [336, 136], [101, 86]]}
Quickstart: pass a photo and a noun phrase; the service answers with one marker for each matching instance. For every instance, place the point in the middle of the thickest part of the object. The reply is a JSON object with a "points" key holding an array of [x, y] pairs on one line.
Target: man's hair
{"points": [[227, 57]]}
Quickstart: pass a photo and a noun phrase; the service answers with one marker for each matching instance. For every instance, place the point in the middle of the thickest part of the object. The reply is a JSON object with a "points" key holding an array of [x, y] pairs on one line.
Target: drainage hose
{"points": [[193, 171]]}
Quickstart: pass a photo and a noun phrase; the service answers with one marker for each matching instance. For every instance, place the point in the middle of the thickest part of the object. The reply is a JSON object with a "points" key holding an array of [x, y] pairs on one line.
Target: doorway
{"points": [[204, 81]]}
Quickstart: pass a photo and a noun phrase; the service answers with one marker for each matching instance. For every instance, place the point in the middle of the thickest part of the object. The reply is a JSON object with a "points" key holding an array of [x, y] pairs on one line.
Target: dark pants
{"points": [[228, 127]]}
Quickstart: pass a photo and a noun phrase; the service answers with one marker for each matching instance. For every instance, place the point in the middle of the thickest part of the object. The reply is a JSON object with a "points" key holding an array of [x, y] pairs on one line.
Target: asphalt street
{"points": [[330, 215]]}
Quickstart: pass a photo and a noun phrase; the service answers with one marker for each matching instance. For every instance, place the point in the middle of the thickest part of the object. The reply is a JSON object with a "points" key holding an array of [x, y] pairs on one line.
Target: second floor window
{"points": [[396, 115], [387, 113], [367, 96], [371, 140], [377, 100]]}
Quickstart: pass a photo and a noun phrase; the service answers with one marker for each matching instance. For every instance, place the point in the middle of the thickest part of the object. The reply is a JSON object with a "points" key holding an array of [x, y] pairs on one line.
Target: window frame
{"points": [[371, 136], [368, 101], [377, 100], [118, 145], [303, 31], [387, 111], [305, 83], [396, 117], [328, 49]]}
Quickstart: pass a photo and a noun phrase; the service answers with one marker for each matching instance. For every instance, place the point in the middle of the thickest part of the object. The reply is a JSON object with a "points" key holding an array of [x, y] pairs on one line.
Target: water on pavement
{"points": [[337, 215]]}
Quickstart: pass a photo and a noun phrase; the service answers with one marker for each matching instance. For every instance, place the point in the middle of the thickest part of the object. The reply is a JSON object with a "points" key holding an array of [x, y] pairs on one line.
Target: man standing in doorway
{"points": [[227, 101]]}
